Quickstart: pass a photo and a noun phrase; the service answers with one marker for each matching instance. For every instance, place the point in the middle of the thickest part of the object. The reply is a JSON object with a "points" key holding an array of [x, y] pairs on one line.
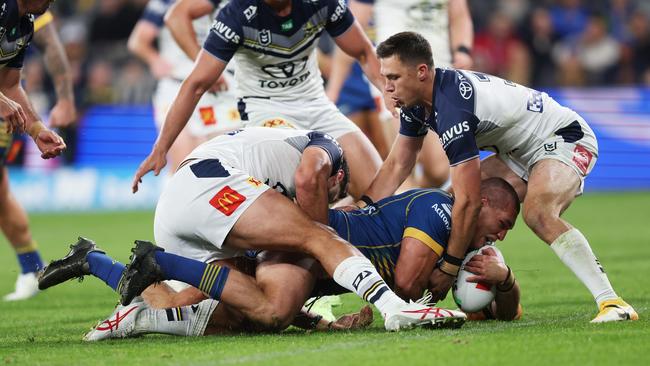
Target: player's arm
{"points": [[207, 70], [466, 178], [141, 43], [47, 39], [488, 269], [311, 183], [397, 166], [461, 33], [414, 265], [179, 21], [355, 43], [341, 63], [49, 143]]}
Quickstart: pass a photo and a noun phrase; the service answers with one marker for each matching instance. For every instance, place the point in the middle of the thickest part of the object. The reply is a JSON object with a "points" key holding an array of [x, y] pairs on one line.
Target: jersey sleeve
{"points": [[410, 125], [457, 136], [155, 11], [429, 221], [331, 147], [226, 34], [17, 61], [339, 18]]}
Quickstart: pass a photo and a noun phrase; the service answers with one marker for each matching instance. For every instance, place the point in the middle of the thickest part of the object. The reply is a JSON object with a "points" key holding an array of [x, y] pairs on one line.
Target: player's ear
{"points": [[422, 72]]}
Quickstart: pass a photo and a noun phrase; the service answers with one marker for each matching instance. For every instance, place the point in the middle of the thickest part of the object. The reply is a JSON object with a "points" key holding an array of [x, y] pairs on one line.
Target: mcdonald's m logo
{"points": [[227, 200]]}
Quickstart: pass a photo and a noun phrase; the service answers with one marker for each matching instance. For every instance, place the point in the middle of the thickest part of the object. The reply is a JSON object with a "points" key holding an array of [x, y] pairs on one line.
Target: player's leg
{"points": [[494, 166], [551, 189], [368, 121], [434, 162], [15, 226]]}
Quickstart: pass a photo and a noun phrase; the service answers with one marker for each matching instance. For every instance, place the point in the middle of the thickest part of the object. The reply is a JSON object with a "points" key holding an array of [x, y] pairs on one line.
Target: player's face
{"points": [[492, 225], [37, 7], [334, 189], [401, 81]]}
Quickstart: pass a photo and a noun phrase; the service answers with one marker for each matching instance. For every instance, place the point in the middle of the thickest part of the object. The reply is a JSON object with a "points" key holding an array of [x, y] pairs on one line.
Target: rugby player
{"points": [[446, 24], [273, 44], [541, 148], [216, 111], [221, 202], [13, 104]]}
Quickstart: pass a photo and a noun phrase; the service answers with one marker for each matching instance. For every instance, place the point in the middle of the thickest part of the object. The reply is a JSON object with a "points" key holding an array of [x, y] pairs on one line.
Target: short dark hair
{"points": [[500, 194], [409, 47], [343, 185]]}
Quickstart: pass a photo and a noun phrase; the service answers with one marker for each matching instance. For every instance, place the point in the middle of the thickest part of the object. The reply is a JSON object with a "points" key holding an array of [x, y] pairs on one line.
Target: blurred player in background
{"points": [[13, 218], [273, 46], [216, 111], [541, 148], [446, 24]]}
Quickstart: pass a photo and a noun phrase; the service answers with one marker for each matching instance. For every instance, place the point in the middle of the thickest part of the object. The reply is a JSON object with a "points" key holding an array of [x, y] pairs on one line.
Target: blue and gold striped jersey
{"points": [[377, 230]]}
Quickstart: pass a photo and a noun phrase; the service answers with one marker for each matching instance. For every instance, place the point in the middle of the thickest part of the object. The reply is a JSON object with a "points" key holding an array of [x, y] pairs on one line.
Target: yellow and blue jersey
{"points": [[377, 230]]}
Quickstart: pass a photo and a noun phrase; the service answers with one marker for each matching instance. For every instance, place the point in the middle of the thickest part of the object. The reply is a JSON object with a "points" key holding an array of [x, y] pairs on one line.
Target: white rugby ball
{"points": [[472, 296]]}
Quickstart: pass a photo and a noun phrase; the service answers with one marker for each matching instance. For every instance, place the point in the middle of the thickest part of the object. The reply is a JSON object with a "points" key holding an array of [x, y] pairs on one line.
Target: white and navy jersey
{"points": [[430, 18], [15, 34], [475, 111], [271, 155], [275, 55], [154, 13]]}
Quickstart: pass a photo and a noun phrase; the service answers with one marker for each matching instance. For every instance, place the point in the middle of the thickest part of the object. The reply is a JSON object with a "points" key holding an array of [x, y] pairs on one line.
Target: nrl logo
{"points": [[264, 37]]}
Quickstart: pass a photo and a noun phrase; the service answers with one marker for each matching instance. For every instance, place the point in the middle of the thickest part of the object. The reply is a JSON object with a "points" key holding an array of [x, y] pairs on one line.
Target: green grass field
{"points": [[555, 329]]}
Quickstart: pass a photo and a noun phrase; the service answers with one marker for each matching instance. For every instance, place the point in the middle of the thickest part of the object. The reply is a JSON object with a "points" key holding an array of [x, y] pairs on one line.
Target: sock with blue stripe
{"points": [[358, 275], [208, 278], [29, 258], [105, 268]]}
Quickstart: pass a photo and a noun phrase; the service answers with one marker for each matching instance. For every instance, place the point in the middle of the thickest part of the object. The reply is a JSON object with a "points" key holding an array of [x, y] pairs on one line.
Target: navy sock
{"points": [[105, 268], [30, 261], [208, 278]]}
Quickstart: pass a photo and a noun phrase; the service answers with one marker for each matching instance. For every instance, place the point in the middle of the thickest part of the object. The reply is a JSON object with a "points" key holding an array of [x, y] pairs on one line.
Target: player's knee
{"points": [[538, 217]]}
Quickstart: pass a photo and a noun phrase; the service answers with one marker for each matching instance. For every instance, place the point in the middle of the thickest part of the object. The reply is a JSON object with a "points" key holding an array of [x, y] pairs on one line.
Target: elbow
{"points": [[307, 182]]}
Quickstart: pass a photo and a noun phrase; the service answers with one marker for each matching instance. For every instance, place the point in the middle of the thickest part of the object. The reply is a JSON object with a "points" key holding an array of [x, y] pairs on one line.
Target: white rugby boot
{"points": [[120, 324], [614, 311], [26, 287], [415, 314]]}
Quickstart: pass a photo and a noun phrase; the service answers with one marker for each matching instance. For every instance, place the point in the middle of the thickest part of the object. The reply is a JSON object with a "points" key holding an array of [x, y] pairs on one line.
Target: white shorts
{"points": [[214, 114], [317, 114], [195, 214], [581, 155]]}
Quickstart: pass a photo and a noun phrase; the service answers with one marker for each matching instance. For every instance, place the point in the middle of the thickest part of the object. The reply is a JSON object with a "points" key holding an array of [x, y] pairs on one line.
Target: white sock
{"points": [[574, 251], [183, 321], [358, 275]]}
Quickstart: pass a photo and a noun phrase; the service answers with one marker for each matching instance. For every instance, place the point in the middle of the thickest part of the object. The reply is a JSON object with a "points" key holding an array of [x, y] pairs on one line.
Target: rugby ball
{"points": [[470, 296]]}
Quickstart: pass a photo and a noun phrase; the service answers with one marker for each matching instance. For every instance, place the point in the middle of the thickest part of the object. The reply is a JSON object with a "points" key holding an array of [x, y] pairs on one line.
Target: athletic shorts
{"points": [[199, 206], [214, 114], [356, 95], [580, 155], [316, 114]]}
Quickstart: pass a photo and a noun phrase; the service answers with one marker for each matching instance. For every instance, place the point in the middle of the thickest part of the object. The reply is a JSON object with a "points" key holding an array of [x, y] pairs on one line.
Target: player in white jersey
{"points": [[216, 112], [273, 44], [447, 25], [543, 149]]}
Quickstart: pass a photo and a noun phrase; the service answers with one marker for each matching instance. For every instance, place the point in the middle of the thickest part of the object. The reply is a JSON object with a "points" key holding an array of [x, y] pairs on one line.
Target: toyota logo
{"points": [[465, 89]]}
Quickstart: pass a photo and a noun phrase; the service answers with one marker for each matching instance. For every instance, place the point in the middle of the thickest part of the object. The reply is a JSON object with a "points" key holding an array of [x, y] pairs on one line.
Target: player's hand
{"points": [[154, 162], [221, 85], [359, 320], [439, 284], [487, 268], [462, 60], [63, 114], [12, 113], [49, 143]]}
